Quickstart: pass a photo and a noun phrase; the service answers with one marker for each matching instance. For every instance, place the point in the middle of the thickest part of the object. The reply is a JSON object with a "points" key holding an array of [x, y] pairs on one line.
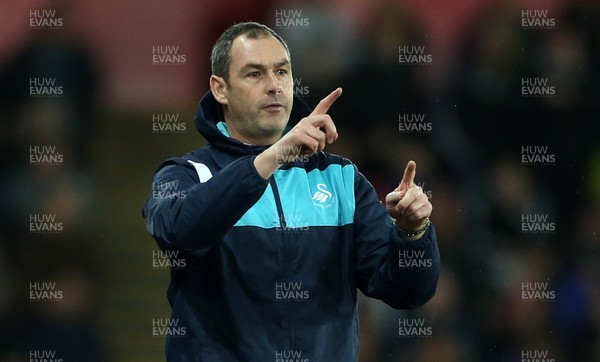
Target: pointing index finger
{"points": [[409, 175], [327, 102]]}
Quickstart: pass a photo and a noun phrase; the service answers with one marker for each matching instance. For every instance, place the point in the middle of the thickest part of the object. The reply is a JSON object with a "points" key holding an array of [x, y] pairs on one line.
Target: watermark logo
{"points": [[168, 259], [413, 123], [537, 224], [291, 292], [45, 87], [44, 292], [168, 327], [537, 292], [290, 355], [44, 224], [44, 19], [413, 55], [290, 155], [537, 88], [428, 193], [537, 156], [291, 19], [413, 259], [323, 198], [45, 156], [167, 55], [167, 190], [537, 19], [293, 223], [414, 327], [44, 355], [167, 123], [536, 356], [300, 90]]}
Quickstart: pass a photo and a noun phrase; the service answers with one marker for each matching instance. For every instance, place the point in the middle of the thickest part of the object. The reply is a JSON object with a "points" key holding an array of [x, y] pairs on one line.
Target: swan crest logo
{"points": [[323, 198]]}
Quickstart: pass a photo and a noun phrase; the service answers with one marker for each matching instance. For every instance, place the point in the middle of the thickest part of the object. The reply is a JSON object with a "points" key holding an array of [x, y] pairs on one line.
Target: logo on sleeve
{"points": [[323, 197]]}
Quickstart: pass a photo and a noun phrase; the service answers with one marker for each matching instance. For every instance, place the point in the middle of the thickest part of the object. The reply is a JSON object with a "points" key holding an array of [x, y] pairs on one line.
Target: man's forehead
{"points": [[264, 49]]}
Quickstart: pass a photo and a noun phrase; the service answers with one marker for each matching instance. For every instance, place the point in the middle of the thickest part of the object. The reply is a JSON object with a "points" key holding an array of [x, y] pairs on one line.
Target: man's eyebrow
{"points": [[279, 64], [282, 63]]}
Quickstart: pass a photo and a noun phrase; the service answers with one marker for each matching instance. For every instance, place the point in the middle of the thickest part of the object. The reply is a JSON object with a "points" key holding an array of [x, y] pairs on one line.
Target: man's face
{"points": [[259, 91]]}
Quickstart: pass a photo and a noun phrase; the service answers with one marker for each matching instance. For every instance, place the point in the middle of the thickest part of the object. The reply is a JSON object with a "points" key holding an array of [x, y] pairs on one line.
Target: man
{"points": [[276, 234]]}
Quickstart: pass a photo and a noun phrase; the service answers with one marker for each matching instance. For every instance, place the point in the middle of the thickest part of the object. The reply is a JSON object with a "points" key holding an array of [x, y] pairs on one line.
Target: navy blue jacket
{"points": [[271, 267]]}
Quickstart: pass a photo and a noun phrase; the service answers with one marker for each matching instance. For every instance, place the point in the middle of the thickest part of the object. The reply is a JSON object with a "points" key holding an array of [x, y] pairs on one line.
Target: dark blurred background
{"points": [[500, 111]]}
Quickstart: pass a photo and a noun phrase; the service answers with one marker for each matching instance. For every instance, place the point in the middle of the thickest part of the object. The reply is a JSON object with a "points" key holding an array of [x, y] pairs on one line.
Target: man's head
{"points": [[252, 79], [220, 57]]}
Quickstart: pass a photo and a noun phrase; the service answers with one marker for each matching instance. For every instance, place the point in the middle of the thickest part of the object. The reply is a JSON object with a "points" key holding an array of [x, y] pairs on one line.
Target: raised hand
{"points": [[307, 137], [407, 203], [314, 131]]}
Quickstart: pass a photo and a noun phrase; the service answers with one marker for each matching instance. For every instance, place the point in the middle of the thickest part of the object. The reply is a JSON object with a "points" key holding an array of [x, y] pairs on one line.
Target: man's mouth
{"points": [[273, 106]]}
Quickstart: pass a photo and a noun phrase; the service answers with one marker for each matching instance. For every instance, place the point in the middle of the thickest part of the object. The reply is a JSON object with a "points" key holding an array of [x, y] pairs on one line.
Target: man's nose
{"points": [[274, 84]]}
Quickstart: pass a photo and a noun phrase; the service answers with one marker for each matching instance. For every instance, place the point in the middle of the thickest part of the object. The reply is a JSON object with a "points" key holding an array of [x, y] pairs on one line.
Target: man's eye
{"points": [[254, 74], [282, 71]]}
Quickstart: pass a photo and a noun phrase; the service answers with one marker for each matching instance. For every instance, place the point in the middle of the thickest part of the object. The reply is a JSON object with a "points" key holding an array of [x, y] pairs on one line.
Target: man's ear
{"points": [[218, 87]]}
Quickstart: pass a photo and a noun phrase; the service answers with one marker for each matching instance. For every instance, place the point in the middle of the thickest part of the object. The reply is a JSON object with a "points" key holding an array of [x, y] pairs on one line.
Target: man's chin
{"points": [[274, 124]]}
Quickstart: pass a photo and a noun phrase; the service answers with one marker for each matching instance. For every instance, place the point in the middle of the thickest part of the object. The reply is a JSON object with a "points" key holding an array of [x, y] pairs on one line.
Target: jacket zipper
{"points": [[278, 202], [286, 252]]}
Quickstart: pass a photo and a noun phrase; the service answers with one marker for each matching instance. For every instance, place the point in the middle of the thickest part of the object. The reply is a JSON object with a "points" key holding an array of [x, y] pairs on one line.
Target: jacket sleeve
{"points": [[185, 213], [401, 273]]}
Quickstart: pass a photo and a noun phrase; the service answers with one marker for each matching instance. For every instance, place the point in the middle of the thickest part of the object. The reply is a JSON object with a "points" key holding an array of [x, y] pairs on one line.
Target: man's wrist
{"points": [[266, 163], [413, 234]]}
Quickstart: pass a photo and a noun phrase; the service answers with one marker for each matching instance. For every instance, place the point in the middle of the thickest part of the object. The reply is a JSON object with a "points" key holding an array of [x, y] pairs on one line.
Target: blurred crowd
{"points": [[469, 161], [48, 267]]}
